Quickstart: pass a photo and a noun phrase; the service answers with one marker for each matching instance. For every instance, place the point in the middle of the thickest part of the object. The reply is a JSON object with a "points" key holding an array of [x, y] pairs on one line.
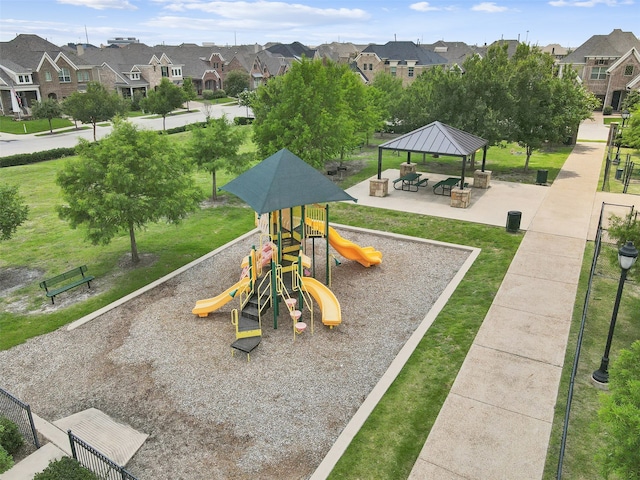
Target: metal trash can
{"points": [[513, 221], [619, 172], [541, 178]]}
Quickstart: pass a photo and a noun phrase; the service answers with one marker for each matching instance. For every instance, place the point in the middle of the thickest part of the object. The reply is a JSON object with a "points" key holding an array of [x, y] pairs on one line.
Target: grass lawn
{"points": [[392, 437], [584, 436], [616, 186], [9, 125]]}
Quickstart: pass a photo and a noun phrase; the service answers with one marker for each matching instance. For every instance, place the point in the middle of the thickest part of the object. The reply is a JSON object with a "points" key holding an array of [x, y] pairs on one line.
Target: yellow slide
{"points": [[204, 307], [328, 302], [365, 256]]}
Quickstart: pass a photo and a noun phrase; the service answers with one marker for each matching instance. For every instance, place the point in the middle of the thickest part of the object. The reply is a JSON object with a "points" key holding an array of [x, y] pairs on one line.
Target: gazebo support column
{"points": [[379, 187], [407, 168], [482, 178], [460, 198]]}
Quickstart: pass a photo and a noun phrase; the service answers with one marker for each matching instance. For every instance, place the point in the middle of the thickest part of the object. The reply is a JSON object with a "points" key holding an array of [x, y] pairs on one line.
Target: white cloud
{"points": [[422, 7], [489, 7], [270, 11], [589, 3], [101, 4]]}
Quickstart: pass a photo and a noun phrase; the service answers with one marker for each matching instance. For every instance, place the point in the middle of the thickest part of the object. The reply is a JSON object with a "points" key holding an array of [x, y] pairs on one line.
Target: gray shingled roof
{"points": [[403, 51], [437, 138], [616, 44]]}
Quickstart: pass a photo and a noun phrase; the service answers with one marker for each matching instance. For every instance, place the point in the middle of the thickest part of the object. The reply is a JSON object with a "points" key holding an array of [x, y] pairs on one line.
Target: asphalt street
{"points": [[13, 144]]}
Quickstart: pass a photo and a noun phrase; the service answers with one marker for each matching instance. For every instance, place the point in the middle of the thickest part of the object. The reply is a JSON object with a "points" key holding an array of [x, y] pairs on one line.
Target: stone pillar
{"points": [[378, 187], [407, 168], [460, 198], [482, 179]]}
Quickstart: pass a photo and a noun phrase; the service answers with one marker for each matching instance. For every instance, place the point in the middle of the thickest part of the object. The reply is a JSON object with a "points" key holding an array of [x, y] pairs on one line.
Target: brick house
{"points": [[607, 65]]}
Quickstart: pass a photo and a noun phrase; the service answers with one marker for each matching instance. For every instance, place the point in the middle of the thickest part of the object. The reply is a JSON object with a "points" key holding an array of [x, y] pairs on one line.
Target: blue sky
{"points": [[567, 22]]}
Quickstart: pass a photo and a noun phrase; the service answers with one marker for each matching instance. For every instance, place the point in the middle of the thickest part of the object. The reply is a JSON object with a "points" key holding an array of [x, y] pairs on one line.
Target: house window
{"points": [[371, 66], [165, 71], [216, 65], [410, 72], [598, 73], [83, 76], [134, 76], [176, 72], [602, 61], [47, 76], [393, 71], [64, 75], [24, 78], [628, 71], [365, 67]]}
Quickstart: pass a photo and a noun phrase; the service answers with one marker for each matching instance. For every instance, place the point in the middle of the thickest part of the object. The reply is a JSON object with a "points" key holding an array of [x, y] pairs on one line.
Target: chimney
{"points": [[80, 49]]}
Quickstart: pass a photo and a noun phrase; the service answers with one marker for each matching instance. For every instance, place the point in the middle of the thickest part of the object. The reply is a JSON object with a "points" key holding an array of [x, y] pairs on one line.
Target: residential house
{"points": [[608, 66], [404, 60], [31, 68]]}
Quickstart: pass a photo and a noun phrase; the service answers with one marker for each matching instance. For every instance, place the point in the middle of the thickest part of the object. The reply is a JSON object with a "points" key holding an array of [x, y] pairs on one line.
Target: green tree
{"points": [[162, 101], [188, 91], [215, 147], [619, 417], [631, 131], [390, 93], [13, 211], [237, 81], [93, 106], [631, 100], [49, 109], [305, 111], [130, 178], [246, 99]]}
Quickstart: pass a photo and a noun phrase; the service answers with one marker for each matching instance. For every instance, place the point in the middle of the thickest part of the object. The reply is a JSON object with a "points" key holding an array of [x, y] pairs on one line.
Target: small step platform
{"points": [[245, 345]]}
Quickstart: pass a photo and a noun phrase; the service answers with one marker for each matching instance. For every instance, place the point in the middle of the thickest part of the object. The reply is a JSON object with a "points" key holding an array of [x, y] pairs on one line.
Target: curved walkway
{"points": [[496, 421]]}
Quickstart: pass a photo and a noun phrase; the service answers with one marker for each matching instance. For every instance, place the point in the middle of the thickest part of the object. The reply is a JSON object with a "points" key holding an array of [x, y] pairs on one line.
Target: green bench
{"points": [[445, 186], [66, 281]]}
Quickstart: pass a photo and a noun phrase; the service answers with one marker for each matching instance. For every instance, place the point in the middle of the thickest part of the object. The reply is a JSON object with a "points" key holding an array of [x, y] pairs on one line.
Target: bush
{"points": [[10, 437], [219, 94], [607, 110], [243, 120], [35, 157], [65, 469], [207, 94], [6, 461]]}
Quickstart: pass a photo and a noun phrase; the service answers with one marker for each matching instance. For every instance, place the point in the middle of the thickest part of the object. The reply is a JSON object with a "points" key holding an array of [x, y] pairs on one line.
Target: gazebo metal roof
{"points": [[436, 138]]}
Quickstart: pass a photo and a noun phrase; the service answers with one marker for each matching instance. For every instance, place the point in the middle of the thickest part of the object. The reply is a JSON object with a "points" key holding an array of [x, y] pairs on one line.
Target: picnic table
{"points": [[410, 182], [446, 185]]}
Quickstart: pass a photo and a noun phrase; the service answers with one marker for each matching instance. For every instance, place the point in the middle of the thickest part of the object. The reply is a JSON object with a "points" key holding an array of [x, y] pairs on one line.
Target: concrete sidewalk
{"points": [[496, 421]]}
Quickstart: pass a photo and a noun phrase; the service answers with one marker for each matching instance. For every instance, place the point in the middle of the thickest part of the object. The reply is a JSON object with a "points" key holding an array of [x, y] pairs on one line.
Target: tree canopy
{"points": [[129, 179], [311, 111], [162, 101], [49, 109], [93, 106], [188, 91], [13, 210], [215, 147], [237, 81]]}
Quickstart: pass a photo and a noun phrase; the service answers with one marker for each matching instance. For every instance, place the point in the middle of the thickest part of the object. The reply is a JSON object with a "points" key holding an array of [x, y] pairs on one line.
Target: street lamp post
{"points": [[627, 256]]}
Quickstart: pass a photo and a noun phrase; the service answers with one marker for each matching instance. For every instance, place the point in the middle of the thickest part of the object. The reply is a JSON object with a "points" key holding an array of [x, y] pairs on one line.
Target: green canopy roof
{"points": [[283, 180]]}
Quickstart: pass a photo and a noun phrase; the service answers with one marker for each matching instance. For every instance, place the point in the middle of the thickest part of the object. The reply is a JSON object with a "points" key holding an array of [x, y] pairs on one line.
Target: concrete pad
{"points": [[567, 226], [539, 296], [525, 334], [52, 433], [424, 470], [479, 442], [508, 381], [34, 463], [555, 245], [115, 440], [488, 206], [546, 266]]}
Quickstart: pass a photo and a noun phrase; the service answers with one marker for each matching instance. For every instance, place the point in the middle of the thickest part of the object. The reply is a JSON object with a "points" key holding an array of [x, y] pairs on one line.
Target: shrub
{"points": [[219, 94], [6, 461], [35, 157], [65, 469], [207, 94], [607, 110], [243, 120], [10, 437]]}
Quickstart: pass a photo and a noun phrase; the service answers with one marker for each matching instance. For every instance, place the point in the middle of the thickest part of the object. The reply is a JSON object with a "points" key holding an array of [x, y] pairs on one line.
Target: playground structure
{"points": [[278, 271]]}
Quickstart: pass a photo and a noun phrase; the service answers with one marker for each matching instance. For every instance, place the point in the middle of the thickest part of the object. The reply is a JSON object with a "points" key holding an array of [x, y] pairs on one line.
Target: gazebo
{"points": [[435, 138]]}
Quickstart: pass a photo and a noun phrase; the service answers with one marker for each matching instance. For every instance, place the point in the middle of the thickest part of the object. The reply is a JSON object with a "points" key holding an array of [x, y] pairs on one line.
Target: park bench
{"points": [[446, 185], [66, 281]]}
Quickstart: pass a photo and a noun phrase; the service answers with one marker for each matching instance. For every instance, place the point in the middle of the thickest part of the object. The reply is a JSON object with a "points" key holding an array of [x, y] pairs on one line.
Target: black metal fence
{"points": [[93, 460], [19, 413], [603, 264]]}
